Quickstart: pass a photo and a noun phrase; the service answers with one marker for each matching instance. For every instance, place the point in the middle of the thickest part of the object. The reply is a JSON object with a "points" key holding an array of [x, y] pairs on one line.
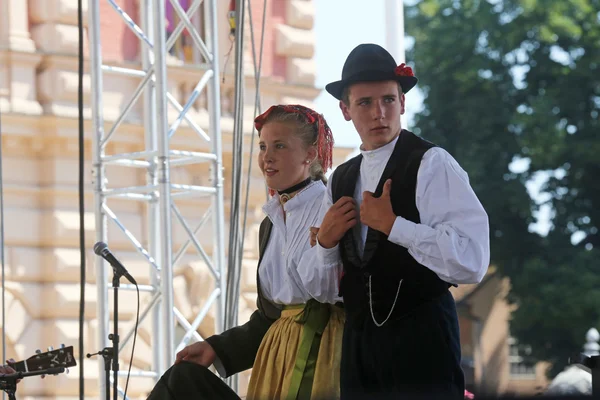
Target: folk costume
{"points": [[401, 335], [292, 342]]}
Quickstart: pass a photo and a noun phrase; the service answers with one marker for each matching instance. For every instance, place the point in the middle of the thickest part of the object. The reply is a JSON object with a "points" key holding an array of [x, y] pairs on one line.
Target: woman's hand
{"points": [[313, 235], [200, 353]]}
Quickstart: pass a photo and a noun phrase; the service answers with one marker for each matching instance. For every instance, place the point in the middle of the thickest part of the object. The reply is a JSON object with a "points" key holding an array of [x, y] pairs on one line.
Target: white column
{"points": [[394, 34], [394, 29], [19, 59], [14, 26]]}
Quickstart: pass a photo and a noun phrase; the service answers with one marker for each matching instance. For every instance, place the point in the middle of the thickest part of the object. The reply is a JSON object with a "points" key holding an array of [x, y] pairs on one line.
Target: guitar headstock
{"points": [[61, 357]]}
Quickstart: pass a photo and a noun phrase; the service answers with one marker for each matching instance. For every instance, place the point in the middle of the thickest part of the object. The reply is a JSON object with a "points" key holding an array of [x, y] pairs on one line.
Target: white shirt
{"points": [[453, 237], [289, 242], [287, 248]]}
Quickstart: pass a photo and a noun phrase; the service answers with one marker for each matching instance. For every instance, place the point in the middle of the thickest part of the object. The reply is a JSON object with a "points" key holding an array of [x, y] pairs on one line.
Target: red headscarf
{"points": [[324, 140]]}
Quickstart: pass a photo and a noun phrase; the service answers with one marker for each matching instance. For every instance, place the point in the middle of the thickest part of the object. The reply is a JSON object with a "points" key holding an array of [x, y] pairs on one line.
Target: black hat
{"points": [[371, 63]]}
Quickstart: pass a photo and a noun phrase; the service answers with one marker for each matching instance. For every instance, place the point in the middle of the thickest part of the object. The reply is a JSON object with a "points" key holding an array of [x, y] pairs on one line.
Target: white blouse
{"points": [[452, 239], [288, 244]]}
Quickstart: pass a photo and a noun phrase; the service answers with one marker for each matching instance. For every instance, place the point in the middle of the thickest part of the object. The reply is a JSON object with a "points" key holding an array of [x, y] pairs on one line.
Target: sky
{"points": [[338, 30]]}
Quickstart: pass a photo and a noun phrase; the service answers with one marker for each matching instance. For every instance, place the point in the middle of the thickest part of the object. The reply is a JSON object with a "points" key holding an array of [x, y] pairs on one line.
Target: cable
{"points": [[257, 107], [2, 252], [135, 329], [236, 172], [237, 239], [257, 104], [81, 202]]}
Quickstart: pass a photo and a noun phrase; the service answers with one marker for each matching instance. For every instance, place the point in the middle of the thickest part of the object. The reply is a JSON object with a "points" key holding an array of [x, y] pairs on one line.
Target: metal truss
{"points": [[158, 159]]}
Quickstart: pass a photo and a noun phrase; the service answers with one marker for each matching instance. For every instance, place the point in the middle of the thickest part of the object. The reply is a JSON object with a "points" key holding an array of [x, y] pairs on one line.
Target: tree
{"points": [[494, 93], [557, 119]]}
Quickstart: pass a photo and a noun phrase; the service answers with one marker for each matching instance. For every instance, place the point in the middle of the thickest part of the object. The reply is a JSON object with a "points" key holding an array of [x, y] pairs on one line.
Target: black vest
{"points": [[383, 261]]}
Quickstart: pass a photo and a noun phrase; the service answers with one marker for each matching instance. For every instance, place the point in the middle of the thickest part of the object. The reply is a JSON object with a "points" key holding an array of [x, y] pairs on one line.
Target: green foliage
{"points": [[513, 79]]}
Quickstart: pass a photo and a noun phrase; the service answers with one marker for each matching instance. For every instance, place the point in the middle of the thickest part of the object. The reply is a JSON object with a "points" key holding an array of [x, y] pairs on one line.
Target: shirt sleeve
{"points": [[453, 237], [327, 256], [320, 268]]}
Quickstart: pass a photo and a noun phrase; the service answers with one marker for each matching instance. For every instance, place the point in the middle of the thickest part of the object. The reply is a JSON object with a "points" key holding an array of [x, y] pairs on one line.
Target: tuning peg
{"points": [[50, 348], [38, 351], [67, 371], [62, 345]]}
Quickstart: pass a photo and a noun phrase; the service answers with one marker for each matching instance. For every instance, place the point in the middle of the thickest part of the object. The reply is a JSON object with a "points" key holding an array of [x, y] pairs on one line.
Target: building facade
{"points": [[38, 105], [493, 362]]}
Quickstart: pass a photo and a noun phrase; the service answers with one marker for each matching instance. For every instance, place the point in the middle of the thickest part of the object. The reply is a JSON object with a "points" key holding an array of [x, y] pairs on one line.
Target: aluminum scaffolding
{"points": [[157, 159]]}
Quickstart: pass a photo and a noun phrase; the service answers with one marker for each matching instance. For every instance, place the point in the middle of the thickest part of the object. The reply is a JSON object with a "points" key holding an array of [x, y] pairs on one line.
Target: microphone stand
{"points": [[115, 335], [8, 382], [111, 354]]}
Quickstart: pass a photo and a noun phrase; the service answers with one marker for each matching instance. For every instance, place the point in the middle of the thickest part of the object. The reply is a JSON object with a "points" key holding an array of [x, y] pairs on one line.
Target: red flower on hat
{"points": [[404, 70]]}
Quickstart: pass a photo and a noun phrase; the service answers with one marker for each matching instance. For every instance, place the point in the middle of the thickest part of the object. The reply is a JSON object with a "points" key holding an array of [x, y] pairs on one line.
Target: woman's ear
{"points": [[312, 154]]}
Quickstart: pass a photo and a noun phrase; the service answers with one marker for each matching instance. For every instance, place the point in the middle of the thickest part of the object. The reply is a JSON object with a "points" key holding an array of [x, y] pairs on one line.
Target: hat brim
{"points": [[336, 89]]}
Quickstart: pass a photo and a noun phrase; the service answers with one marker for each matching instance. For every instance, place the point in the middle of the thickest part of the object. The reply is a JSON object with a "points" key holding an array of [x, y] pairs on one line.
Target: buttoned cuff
{"points": [[403, 232], [328, 256]]}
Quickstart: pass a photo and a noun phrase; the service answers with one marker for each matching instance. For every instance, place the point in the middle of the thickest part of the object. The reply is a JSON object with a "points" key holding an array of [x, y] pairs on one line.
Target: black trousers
{"points": [[414, 356], [188, 380]]}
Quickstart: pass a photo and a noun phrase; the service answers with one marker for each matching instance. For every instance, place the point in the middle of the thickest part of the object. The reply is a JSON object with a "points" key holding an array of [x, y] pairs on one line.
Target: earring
{"points": [[307, 162]]}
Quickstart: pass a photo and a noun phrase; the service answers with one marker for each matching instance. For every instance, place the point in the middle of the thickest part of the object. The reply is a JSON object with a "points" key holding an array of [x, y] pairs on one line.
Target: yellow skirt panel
{"points": [[276, 358]]}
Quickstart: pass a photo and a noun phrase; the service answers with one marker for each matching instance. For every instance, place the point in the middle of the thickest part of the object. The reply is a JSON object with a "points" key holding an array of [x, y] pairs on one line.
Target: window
{"points": [[520, 367], [184, 48]]}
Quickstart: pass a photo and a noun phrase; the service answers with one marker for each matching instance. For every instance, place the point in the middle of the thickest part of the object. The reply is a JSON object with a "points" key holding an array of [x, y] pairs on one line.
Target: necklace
{"points": [[284, 195]]}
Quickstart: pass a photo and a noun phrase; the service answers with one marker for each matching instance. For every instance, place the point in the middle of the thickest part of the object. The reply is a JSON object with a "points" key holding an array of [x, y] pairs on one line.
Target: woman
{"points": [[292, 342]]}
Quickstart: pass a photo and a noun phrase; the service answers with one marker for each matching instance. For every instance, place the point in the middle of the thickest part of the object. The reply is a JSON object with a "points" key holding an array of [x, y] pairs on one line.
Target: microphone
{"points": [[102, 250]]}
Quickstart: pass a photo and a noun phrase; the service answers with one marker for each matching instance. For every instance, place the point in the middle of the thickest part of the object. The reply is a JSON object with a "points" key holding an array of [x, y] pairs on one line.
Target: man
{"points": [[405, 224]]}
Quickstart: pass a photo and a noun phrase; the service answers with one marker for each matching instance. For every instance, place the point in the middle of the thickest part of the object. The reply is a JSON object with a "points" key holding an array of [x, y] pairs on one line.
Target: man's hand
{"points": [[377, 213], [200, 353], [339, 218]]}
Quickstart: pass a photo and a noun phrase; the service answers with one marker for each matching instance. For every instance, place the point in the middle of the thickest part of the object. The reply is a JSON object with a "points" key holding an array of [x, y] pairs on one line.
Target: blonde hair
{"points": [[307, 132]]}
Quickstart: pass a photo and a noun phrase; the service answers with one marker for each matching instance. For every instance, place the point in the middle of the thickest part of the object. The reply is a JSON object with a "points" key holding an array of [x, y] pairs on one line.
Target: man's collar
{"points": [[385, 150]]}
